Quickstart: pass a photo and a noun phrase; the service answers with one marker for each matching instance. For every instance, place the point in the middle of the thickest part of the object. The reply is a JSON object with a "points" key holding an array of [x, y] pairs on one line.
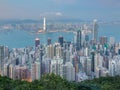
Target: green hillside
{"points": [[53, 82]]}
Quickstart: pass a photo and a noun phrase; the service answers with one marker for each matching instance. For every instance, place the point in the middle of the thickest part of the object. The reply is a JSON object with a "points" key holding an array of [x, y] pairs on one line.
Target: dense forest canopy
{"points": [[53, 82]]}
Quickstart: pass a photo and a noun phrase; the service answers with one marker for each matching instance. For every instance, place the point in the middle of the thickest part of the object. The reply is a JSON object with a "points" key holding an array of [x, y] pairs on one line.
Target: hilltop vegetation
{"points": [[53, 82], [106, 83], [47, 82]]}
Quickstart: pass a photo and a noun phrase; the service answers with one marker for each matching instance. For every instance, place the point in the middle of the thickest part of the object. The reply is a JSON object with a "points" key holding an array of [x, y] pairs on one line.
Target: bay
{"points": [[20, 38]]}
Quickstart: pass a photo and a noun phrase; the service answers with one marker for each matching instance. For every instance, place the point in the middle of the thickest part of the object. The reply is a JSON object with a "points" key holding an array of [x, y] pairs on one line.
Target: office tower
{"points": [[112, 68], [75, 37], [22, 72], [6, 66], [31, 58], [35, 71], [44, 24], [86, 40], [6, 51], [57, 66], [83, 62], [105, 62], [41, 59], [95, 31], [1, 59], [69, 71], [49, 41], [112, 40], [92, 64], [61, 40], [37, 42], [86, 51], [67, 56], [71, 49], [17, 62], [93, 61], [76, 63], [46, 63], [58, 51], [11, 71], [64, 56], [103, 40], [41, 52], [118, 51], [98, 60], [50, 51], [78, 40], [88, 72]]}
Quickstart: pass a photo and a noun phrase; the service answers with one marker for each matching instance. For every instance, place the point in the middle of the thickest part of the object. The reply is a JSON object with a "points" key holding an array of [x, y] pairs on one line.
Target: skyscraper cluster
{"points": [[84, 59]]}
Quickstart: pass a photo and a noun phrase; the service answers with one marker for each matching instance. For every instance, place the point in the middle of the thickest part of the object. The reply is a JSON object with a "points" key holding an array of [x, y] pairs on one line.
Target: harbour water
{"points": [[19, 39]]}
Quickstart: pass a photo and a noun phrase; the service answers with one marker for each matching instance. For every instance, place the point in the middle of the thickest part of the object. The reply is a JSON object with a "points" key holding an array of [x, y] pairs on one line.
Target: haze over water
{"points": [[20, 39]]}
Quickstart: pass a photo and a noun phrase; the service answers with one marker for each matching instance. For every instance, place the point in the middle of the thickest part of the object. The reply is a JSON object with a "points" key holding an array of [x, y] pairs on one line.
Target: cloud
{"points": [[51, 14], [58, 14]]}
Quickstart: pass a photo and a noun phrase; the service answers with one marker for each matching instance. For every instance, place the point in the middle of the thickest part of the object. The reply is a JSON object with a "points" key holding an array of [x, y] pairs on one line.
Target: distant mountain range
{"points": [[49, 20]]}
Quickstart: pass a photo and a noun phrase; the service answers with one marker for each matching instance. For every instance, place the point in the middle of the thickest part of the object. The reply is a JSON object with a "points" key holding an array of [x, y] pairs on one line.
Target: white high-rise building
{"points": [[50, 51], [114, 66], [112, 40], [58, 51], [98, 60], [46, 62], [89, 61], [44, 24], [35, 71], [69, 71], [57, 66], [11, 71], [6, 69], [95, 31]]}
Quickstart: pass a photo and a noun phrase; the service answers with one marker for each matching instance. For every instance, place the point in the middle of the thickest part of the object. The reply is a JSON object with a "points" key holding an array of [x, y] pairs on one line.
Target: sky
{"points": [[78, 9]]}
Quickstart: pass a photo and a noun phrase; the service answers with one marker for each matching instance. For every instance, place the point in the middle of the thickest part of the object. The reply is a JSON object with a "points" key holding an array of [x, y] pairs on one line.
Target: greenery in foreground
{"points": [[53, 82]]}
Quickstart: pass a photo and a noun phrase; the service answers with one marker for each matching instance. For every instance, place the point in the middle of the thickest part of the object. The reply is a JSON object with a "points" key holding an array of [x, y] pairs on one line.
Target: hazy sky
{"points": [[83, 9]]}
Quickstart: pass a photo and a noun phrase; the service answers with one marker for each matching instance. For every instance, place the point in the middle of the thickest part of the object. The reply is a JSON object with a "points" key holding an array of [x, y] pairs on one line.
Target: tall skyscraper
{"points": [[48, 41], [69, 71], [56, 66], [6, 71], [86, 38], [1, 59], [61, 40], [78, 41], [93, 62], [44, 24], [86, 42], [11, 71], [95, 31], [50, 51], [37, 42], [35, 70]]}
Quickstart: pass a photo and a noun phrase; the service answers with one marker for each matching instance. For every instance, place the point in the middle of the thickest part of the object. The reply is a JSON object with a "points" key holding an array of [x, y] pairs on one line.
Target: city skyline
{"points": [[74, 39], [35, 9]]}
